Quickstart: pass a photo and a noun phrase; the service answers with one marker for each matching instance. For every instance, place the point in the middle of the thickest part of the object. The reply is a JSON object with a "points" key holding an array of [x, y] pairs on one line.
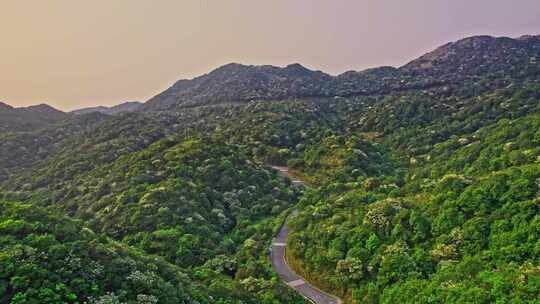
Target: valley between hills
{"points": [[424, 187]]}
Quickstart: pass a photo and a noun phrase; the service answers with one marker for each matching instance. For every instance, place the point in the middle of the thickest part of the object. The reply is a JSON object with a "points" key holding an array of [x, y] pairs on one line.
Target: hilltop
{"points": [[442, 71], [447, 67], [28, 118], [125, 107]]}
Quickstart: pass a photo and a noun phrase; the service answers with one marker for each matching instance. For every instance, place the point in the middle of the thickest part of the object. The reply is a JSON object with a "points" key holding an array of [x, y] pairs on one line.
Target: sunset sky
{"points": [[73, 54]]}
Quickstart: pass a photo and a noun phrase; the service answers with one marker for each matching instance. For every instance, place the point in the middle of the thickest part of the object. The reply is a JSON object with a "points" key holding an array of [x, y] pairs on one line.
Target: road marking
{"points": [[300, 282], [296, 283]]}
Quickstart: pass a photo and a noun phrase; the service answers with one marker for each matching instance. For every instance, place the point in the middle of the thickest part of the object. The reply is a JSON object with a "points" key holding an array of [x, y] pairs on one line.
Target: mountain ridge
{"points": [[128, 106], [442, 69], [450, 63], [28, 118]]}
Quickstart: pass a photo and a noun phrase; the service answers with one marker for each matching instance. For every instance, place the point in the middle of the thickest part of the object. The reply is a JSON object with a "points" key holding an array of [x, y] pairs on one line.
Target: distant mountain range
{"points": [[130, 106], [39, 116], [28, 118], [443, 70], [446, 67]]}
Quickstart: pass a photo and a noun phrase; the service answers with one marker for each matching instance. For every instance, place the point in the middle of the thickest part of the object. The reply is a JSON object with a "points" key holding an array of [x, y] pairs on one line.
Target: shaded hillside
{"points": [[130, 106], [236, 82], [19, 150], [28, 118]]}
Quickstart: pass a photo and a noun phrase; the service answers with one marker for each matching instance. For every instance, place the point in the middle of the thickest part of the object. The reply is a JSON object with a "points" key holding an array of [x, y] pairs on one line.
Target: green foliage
{"points": [[45, 258], [425, 190], [453, 232]]}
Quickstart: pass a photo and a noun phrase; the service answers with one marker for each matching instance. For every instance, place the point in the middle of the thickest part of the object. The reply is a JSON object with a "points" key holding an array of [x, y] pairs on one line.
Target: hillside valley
{"points": [[422, 186]]}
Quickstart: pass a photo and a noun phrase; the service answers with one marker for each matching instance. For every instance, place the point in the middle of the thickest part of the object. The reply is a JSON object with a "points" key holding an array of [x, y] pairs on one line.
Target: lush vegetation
{"points": [[461, 227], [47, 258], [424, 183], [196, 203]]}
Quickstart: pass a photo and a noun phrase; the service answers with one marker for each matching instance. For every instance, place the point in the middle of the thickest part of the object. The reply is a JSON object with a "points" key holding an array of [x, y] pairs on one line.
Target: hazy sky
{"points": [[76, 53]]}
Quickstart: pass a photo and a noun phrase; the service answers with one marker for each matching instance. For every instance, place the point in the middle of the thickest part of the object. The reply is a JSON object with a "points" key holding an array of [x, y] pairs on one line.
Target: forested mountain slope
{"points": [[197, 203], [443, 70], [424, 186], [47, 258], [29, 118], [459, 225], [25, 149]]}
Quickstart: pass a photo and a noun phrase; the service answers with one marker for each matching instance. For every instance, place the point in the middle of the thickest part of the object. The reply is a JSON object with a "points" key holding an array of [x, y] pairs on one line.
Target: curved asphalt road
{"points": [[286, 274]]}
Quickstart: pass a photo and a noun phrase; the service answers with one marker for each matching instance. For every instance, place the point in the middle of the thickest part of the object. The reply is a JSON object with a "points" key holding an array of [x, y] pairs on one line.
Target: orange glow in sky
{"points": [[73, 54]]}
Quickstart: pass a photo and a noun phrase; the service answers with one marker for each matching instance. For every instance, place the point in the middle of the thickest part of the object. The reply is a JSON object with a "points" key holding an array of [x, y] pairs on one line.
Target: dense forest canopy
{"points": [[424, 187]]}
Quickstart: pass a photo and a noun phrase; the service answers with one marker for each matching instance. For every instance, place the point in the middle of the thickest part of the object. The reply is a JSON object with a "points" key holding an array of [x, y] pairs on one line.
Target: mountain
{"points": [[424, 185], [28, 118], [476, 56], [236, 82], [130, 106], [23, 149], [446, 67], [5, 107]]}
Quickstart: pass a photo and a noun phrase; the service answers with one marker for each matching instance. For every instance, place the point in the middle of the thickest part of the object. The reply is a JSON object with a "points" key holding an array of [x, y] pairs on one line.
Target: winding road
{"points": [[279, 263]]}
